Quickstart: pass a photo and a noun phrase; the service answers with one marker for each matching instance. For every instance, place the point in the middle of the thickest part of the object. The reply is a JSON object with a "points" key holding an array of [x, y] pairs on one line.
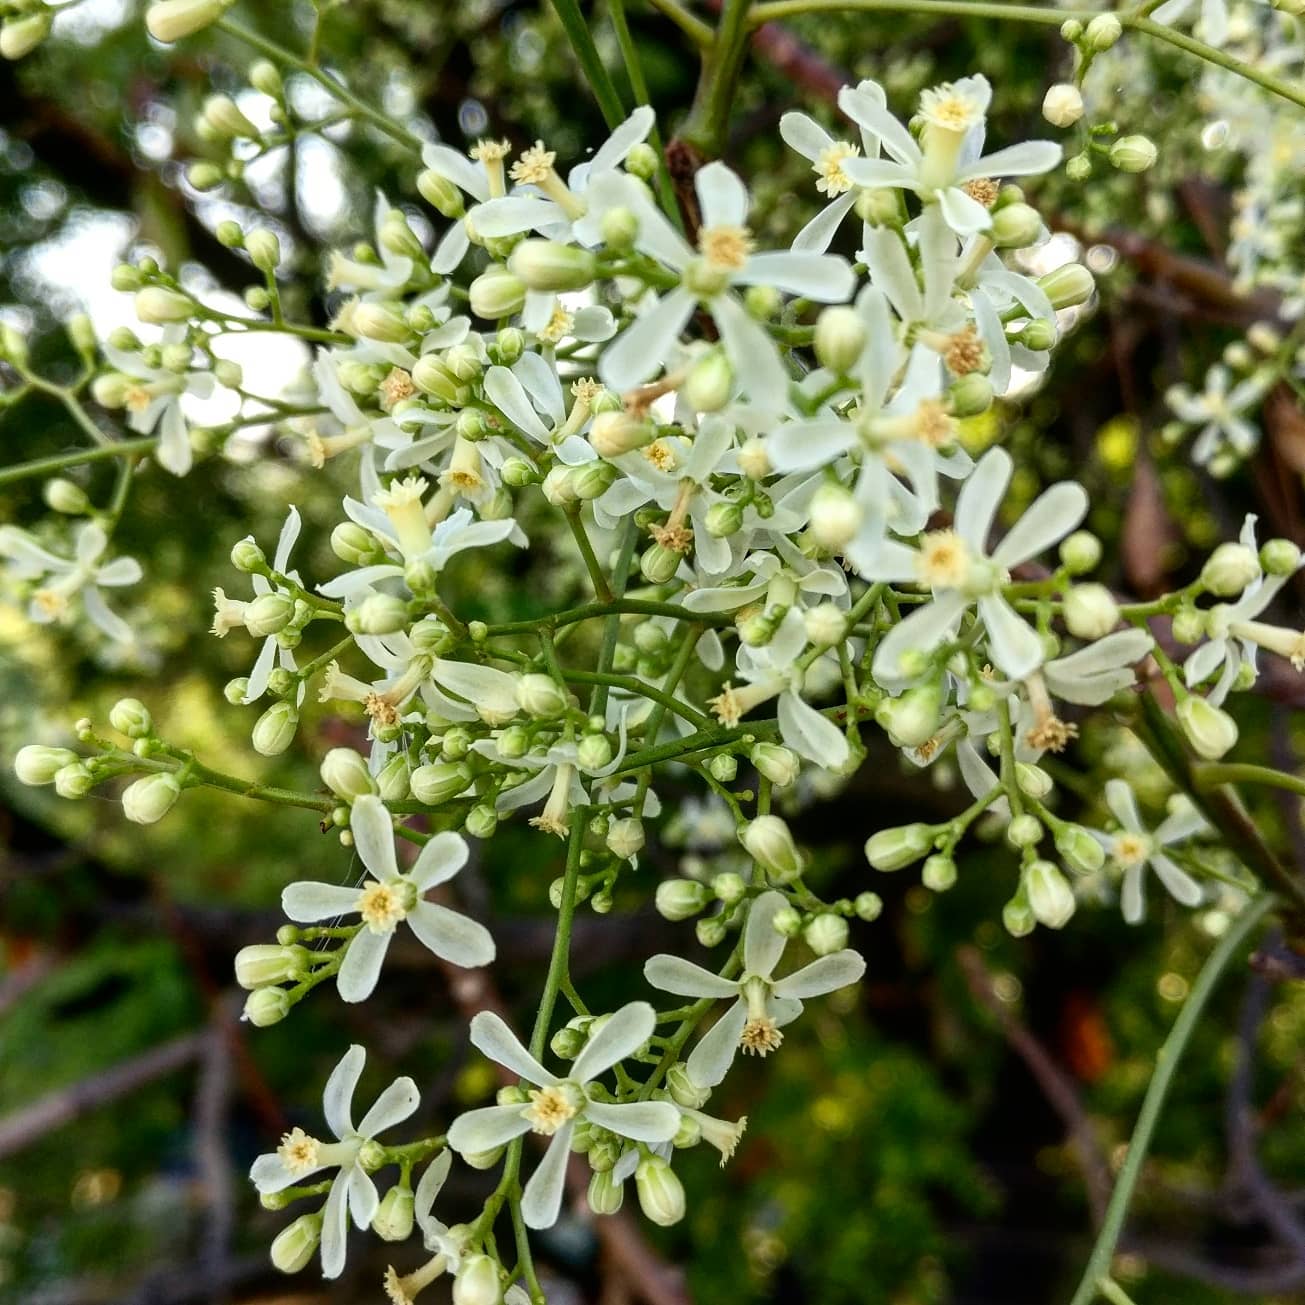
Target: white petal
{"points": [[487, 1128], [752, 353], [453, 936], [1181, 886], [440, 859], [337, 1095], [508, 395], [513, 213], [641, 1121], [922, 631], [865, 105], [805, 445], [820, 231], [542, 1200], [393, 1106], [805, 135], [810, 734], [763, 944], [964, 215], [1012, 641], [103, 618], [711, 1059], [1123, 806], [825, 278], [621, 1036], [361, 966], [335, 1228], [826, 974], [890, 271], [980, 496], [1131, 900], [722, 196], [676, 975], [308, 901], [432, 1183], [644, 346], [492, 1037], [1048, 519], [1027, 159], [361, 1194], [373, 836], [625, 136]]}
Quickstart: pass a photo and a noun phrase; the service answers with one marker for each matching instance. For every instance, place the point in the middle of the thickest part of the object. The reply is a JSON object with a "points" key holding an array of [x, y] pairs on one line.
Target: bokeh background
{"points": [[947, 1133]]}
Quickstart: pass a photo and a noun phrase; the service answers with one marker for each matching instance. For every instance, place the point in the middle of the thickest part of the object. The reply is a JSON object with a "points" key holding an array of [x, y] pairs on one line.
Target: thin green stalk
{"points": [[616, 607], [612, 627], [694, 28], [602, 589], [582, 42], [62, 461], [559, 965], [1214, 773], [1167, 1060], [708, 122], [633, 685]]}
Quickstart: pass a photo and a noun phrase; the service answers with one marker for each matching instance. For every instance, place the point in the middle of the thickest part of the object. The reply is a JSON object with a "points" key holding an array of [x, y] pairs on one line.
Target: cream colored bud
{"points": [[1209, 729], [172, 20], [836, 516], [36, 764], [275, 729], [614, 433], [345, 773], [541, 696], [768, 841], [20, 36], [1090, 611], [625, 837], [1229, 569], [158, 305], [150, 799], [295, 1245], [496, 293], [661, 1194], [550, 266], [1062, 106], [1050, 897], [840, 337], [227, 118]]}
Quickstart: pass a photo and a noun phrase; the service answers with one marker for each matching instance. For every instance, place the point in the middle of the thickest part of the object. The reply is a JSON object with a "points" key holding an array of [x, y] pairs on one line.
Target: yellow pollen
{"points": [[760, 1037], [395, 1287], [944, 560], [586, 390], [934, 425], [1052, 733], [490, 151], [964, 352], [549, 1109], [396, 387], [983, 190], [662, 454], [950, 109], [725, 246], [534, 166], [136, 398], [831, 179], [381, 906], [551, 824], [381, 709], [727, 706], [1131, 849], [316, 449], [51, 602], [559, 326], [679, 539], [298, 1151]]}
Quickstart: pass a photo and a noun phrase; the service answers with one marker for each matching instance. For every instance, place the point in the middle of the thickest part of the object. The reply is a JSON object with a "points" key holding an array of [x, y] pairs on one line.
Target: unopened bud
{"points": [[295, 1245], [149, 799], [840, 338], [1209, 729], [777, 763], [1229, 569], [1090, 611], [1050, 897], [680, 899], [661, 1194], [550, 266], [902, 845], [768, 841], [37, 765], [1062, 106], [826, 934], [439, 782], [275, 729]]}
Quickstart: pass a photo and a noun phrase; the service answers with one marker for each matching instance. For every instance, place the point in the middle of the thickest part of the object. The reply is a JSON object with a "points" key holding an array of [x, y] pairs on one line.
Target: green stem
{"points": [[694, 28], [60, 462], [601, 588], [612, 626], [1212, 774], [632, 685], [1167, 1059], [616, 607], [591, 62], [708, 122]]}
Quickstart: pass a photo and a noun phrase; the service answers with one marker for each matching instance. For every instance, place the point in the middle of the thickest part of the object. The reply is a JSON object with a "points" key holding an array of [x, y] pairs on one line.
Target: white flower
{"points": [[1213, 19], [724, 259], [68, 578], [556, 1104], [271, 650], [154, 400], [950, 154], [1135, 847], [1218, 411], [300, 1156], [385, 281], [391, 897], [956, 566], [762, 1004]]}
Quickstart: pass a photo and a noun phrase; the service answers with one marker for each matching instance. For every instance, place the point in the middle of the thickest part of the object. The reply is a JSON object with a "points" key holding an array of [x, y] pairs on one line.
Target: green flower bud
{"points": [[724, 519], [269, 614], [939, 873], [477, 1282], [440, 193], [1280, 557], [835, 516], [264, 249], [1102, 32], [1050, 897], [65, 496], [346, 774], [155, 304], [296, 1244], [380, 321], [1067, 285], [591, 480], [970, 395], [264, 77], [1017, 915], [1039, 334], [496, 293], [826, 934], [900, 846], [625, 837], [1080, 552], [1189, 625], [131, 717], [542, 697], [275, 729], [1090, 611], [642, 161], [605, 1195], [1062, 106], [149, 799], [724, 767], [659, 564], [1079, 850], [248, 557], [682, 1088], [435, 784], [226, 120], [868, 906], [1209, 729], [710, 931], [770, 844], [787, 922], [1032, 780], [20, 36], [777, 763], [1133, 153], [1229, 569], [619, 228], [547, 265], [73, 781], [912, 719], [1024, 831], [1015, 226], [483, 1159], [661, 1194], [614, 433], [267, 1006], [840, 338], [680, 899], [36, 764], [264, 964], [204, 175], [393, 1219], [378, 614], [710, 382]]}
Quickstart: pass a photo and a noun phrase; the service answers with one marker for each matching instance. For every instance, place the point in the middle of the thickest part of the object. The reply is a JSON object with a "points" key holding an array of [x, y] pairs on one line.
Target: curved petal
{"points": [[442, 857], [1180, 885], [964, 215], [1123, 806], [641, 1121], [803, 134], [763, 944], [922, 631], [1046, 521], [685, 979], [432, 1183], [1012, 641], [753, 355], [308, 901], [542, 1200], [642, 348], [508, 395], [711, 1059], [810, 734], [373, 836], [1027, 159], [1132, 901], [825, 278], [722, 196], [487, 1128], [826, 974], [805, 445], [820, 231], [335, 1228], [393, 1106], [866, 105], [361, 1195], [621, 1035], [361, 966], [337, 1095], [980, 496], [891, 271], [454, 936], [491, 1036]]}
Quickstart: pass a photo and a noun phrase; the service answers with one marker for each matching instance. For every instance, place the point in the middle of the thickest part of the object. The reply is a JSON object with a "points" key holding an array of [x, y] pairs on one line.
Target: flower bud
{"points": [[1079, 850], [1062, 106], [710, 382], [131, 717], [36, 764], [264, 77], [547, 265], [835, 516], [1229, 569], [380, 321], [770, 844], [826, 934], [840, 338], [267, 1006], [73, 781], [378, 614], [20, 36], [591, 480], [868, 906], [172, 20], [1102, 32], [541, 696], [566, 1044], [787, 922], [969, 395], [1051, 899], [226, 119], [263, 964], [938, 873], [680, 899], [1280, 557], [269, 614], [1209, 729], [902, 845], [296, 1244], [438, 783], [1189, 625], [777, 763], [682, 1088], [1024, 831], [1039, 335], [158, 305], [1032, 780], [912, 719], [729, 888], [1090, 611], [275, 729], [393, 1219], [605, 1195], [496, 293], [659, 564], [825, 624], [614, 433], [345, 773], [477, 1282], [1080, 552], [440, 193], [1133, 153], [1067, 285], [625, 837], [481, 821], [247, 556], [724, 519], [661, 1194], [151, 798], [594, 751], [264, 249]]}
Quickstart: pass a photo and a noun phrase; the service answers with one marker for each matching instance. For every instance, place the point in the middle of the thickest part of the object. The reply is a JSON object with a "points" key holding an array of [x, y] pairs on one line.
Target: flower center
{"points": [[760, 1036], [663, 455], [832, 180], [725, 246], [550, 1108], [299, 1152], [934, 425], [1131, 850], [963, 353], [560, 325], [983, 190], [950, 109], [944, 560], [382, 906], [396, 387]]}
